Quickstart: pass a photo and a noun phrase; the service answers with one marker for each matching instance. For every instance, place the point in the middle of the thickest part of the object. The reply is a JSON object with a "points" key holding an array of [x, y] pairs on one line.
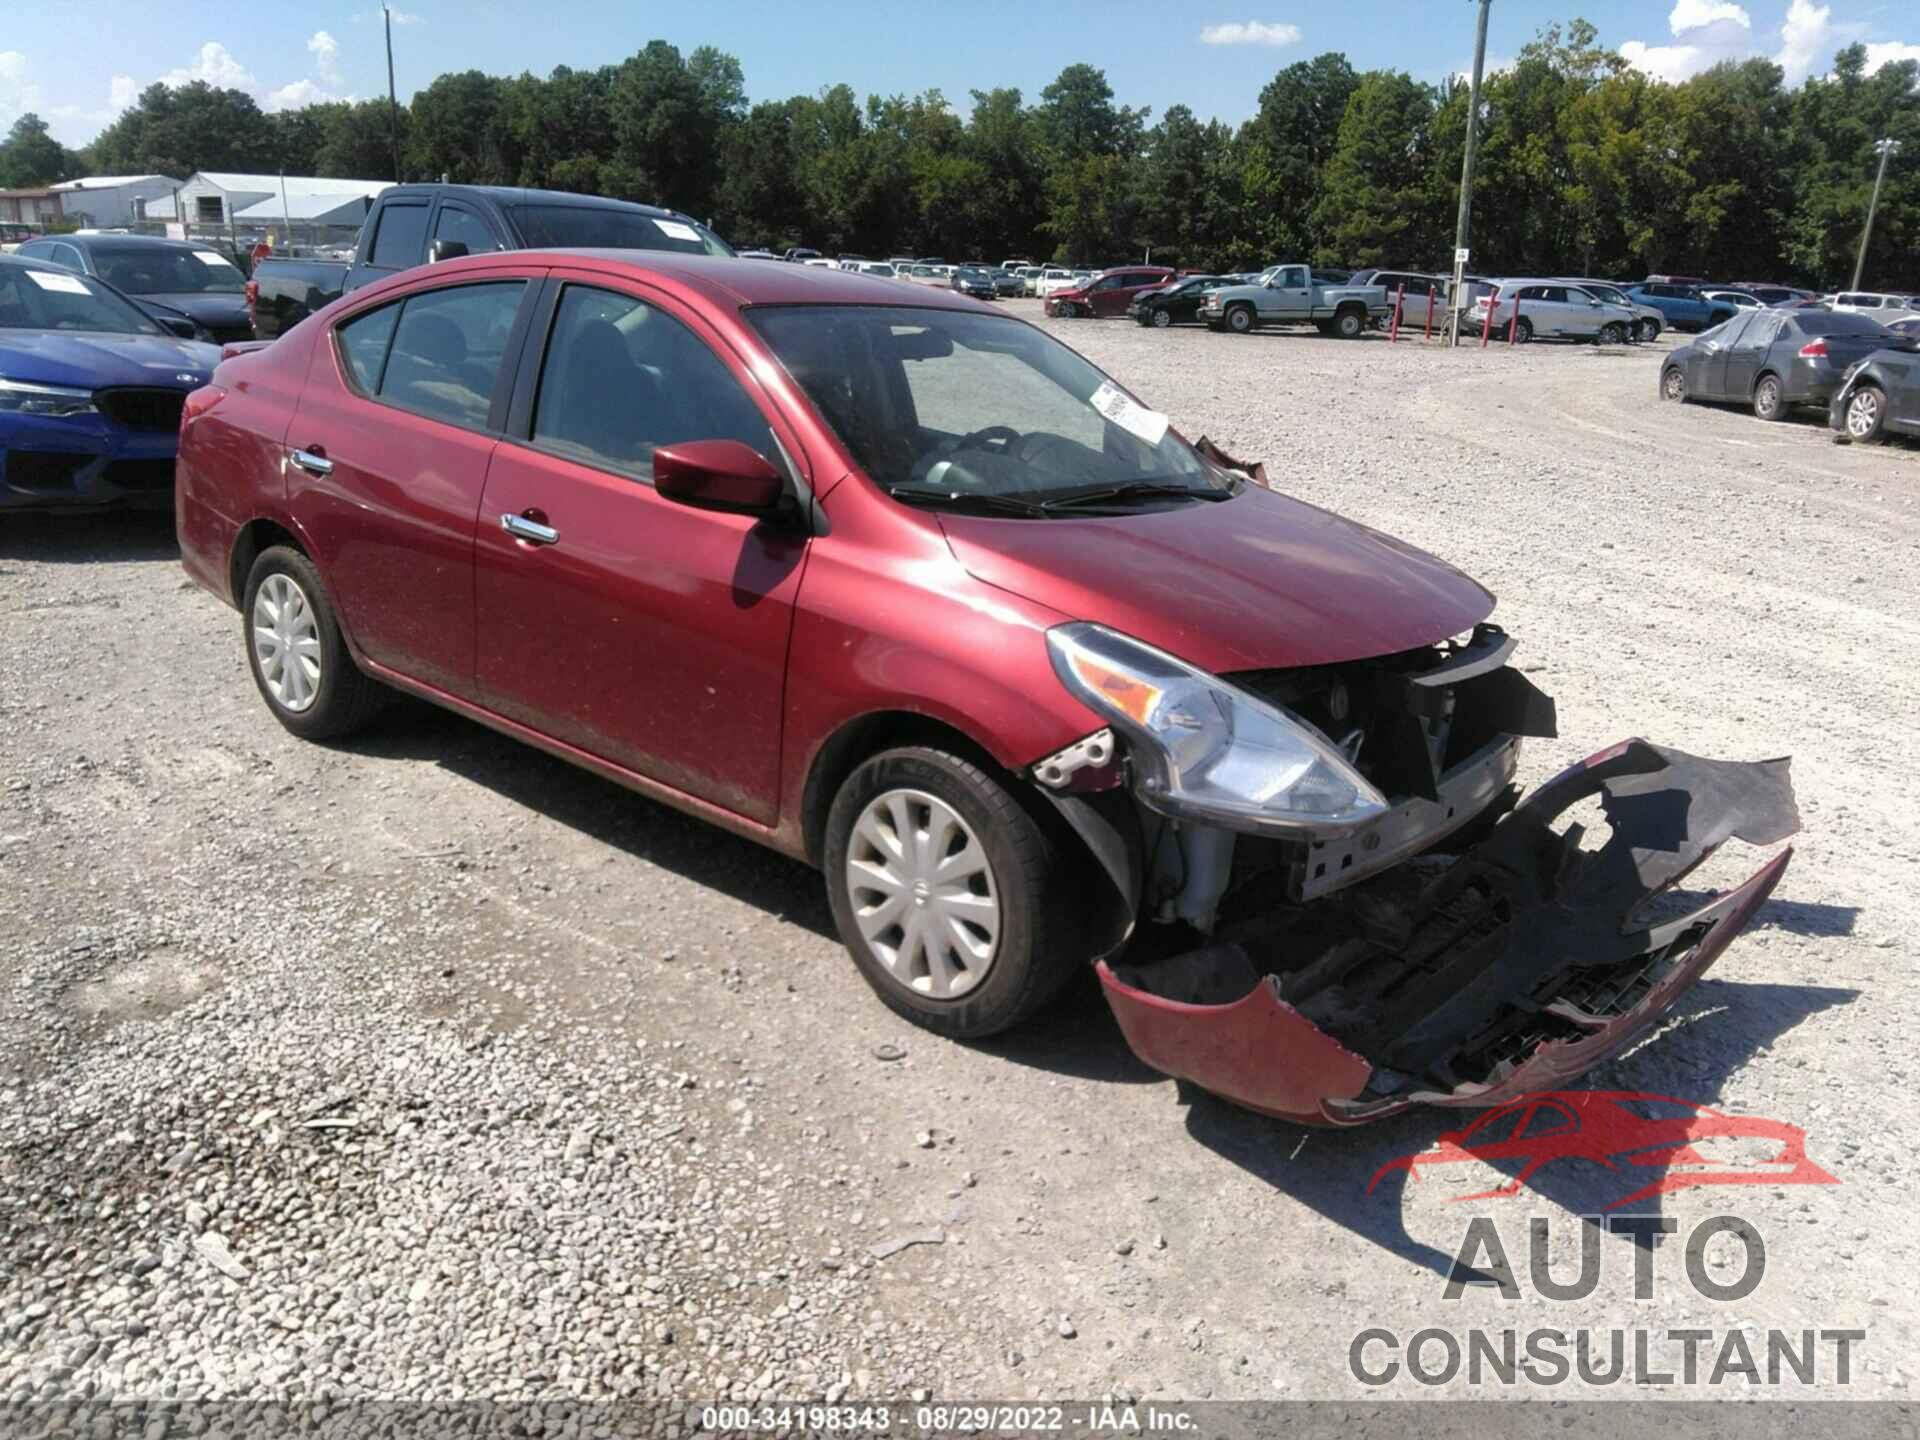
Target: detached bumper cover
{"points": [[1523, 964]]}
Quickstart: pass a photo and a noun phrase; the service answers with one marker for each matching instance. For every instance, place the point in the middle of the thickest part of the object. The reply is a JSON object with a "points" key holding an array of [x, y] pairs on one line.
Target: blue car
{"points": [[91, 391], [1683, 305]]}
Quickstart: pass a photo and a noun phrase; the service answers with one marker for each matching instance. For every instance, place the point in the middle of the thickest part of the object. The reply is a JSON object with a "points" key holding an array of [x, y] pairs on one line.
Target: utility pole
{"points": [[393, 101], [1462, 225], [1886, 148]]}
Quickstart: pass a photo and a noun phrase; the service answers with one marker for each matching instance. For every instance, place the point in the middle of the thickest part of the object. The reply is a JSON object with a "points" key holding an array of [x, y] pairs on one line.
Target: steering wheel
{"points": [[980, 439]]}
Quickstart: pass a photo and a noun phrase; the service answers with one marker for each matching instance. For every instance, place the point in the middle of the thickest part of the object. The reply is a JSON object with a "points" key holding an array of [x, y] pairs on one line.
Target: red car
{"points": [[904, 587], [1108, 293], [1687, 1144]]}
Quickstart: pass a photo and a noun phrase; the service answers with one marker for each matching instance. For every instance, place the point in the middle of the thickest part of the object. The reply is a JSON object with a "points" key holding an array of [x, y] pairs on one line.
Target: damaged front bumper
{"points": [[1518, 965]]}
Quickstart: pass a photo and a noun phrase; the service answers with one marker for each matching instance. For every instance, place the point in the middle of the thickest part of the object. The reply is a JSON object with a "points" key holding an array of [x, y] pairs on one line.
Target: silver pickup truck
{"points": [[1289, 295]]}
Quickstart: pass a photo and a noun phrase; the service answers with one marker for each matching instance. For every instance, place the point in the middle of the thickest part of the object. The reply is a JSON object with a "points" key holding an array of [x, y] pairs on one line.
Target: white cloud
{"points": [[217, 66], [1890, 53], [1806, 39], [17, 93], [292, 97], [1250, 32], [326, 56], [1705, 32]]}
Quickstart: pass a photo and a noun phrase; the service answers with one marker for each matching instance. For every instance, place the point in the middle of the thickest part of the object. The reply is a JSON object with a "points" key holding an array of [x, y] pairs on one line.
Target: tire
{"points": [[1068, 310], [320, 694], [1646, 331], [1673, 384], [1523, 332], [1162, 318], [1768, 402], [1240, 319], [1037, 941], [1350, 324], [1612, 334], [1866, 414]]}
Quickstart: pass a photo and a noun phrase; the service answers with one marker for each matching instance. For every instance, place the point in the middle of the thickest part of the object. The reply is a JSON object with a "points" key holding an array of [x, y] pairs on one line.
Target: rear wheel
{"points": [[1673, 384], [1523, 331], [1866, 413], [1162, 317], [1350, 324], [957, 907], [1646, 330], [1240, 319], [1767, 401], [297, 653]]}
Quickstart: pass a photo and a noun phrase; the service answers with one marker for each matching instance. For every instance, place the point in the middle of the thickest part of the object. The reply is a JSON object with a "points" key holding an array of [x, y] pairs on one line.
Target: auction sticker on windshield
{"points": [[214, 257], [673, 229], [66, 284], [1126, 412]]}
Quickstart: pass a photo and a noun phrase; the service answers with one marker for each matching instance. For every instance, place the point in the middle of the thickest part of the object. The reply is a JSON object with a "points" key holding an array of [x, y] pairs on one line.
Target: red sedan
{"points": [[906, 588]]}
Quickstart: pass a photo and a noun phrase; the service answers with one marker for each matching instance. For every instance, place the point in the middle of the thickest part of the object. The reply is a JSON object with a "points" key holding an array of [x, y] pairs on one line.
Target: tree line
{"points": [[1585, 164]]}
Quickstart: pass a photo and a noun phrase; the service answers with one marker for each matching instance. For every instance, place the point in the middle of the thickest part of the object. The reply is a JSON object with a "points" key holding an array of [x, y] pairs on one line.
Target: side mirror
{"points": [[718, 475], [446, 250]]}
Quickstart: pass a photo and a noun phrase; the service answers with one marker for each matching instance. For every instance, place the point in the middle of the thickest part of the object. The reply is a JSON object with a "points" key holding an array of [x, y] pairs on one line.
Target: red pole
{"points": [[1399, 296], [1429, 335], [1486, 324], [1513, 325]]}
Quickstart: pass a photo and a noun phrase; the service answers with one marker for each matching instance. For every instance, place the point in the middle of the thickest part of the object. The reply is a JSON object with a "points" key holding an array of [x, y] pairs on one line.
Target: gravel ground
{"points": [[429, 1067]]}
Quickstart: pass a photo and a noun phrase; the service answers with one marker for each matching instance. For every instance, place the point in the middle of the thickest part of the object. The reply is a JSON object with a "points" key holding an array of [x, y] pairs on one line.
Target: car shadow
{"points": [[601, 810], [1717, 1027], [85, 537]]}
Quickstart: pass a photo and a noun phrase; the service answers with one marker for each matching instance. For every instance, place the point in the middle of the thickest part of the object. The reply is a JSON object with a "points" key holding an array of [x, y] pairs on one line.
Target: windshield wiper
{"points": [[1135, 490], [965, 499]]}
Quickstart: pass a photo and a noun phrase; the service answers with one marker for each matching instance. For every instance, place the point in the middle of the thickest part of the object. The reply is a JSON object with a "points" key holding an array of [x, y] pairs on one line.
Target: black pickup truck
{"points": [[418, 224]]}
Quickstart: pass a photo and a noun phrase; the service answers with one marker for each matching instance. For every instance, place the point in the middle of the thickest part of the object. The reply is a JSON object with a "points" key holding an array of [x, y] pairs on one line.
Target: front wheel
{"points": [[1673, 384], [1613, 334], [1767, 400], [1162, 318], [956, 906], [1866, 414], [1240, 319], [296, 651]]}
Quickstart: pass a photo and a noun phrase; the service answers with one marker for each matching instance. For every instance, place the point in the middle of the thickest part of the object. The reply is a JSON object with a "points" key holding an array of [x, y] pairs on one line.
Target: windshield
{"points": [[162, 270], [583, 227], [35, 299], [964, 406]]}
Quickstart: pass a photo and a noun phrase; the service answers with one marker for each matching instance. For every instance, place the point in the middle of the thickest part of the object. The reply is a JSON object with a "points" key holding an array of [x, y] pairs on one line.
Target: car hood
{"points": [[92, 361], [1071, 292], [207, 309], [1262, 581]]}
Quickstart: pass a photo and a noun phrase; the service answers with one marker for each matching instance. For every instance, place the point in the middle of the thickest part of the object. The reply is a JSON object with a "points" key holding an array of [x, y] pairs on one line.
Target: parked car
{"points": [[757, 255], [1554, 310], [1107, 294], [1015, 265], [877, 267], [164, 277], [91, 391], [1006, 283], [1859, 302], [1647, 321], [1773, 294], [1053, 278], [797, 253], [1906, 328], [1030, 277], [975, 282], [1773, 359], [1176, 302], [15, 233], [906, 589], [1882, 392], [1739, 299], [411, 225], [1684, 306], [1418, 290], [1287, 295]]}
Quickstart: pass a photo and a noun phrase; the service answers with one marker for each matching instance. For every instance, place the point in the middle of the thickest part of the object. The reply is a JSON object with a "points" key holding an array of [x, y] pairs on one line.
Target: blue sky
{"points": [[77, 62]]}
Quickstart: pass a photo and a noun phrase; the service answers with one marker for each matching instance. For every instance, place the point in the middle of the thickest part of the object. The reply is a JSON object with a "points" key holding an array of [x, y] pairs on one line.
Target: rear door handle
{"points": [[313, 462], [532, 531]]}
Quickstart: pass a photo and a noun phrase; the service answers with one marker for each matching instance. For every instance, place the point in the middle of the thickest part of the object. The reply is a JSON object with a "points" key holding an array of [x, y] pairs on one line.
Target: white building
{"points": [[106, 202], [218, 198]]}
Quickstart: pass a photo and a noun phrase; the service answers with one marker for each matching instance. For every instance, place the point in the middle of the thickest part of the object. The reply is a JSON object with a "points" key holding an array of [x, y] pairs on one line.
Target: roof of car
{"points": [[740, 282], [519, 195], [149, 242]]}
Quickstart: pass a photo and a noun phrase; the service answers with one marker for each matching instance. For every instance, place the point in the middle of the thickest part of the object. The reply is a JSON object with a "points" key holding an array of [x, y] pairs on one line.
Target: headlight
{"points": [[1206, 750], [17, 397]]}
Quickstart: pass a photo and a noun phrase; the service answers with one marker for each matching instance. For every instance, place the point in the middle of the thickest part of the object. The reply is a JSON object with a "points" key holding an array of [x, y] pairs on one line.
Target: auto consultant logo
{"points": [[1655, 1143]]}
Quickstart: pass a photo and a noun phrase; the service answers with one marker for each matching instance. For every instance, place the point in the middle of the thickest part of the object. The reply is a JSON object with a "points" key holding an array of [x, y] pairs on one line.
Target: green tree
{"points": [[31, 156], [179, 130], [1295, 131], [1376, 204], [459, 129]]}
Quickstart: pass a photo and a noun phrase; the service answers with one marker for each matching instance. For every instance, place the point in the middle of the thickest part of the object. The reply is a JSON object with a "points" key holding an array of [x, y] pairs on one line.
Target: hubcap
{"points": [[1238, 319], [1769, 396], [1673, 384], [1863, 413], [286, 642], [1163, 318], [923, 894]]}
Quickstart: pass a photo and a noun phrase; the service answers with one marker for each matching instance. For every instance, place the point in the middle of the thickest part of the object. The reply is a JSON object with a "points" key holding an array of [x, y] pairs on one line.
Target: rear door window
{"points": [[401, 240], [447, 351]]}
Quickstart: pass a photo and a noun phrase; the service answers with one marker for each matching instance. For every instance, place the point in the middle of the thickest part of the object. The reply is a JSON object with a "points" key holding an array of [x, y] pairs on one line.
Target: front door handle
{"points": [[532, 531], [313, 462]]}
